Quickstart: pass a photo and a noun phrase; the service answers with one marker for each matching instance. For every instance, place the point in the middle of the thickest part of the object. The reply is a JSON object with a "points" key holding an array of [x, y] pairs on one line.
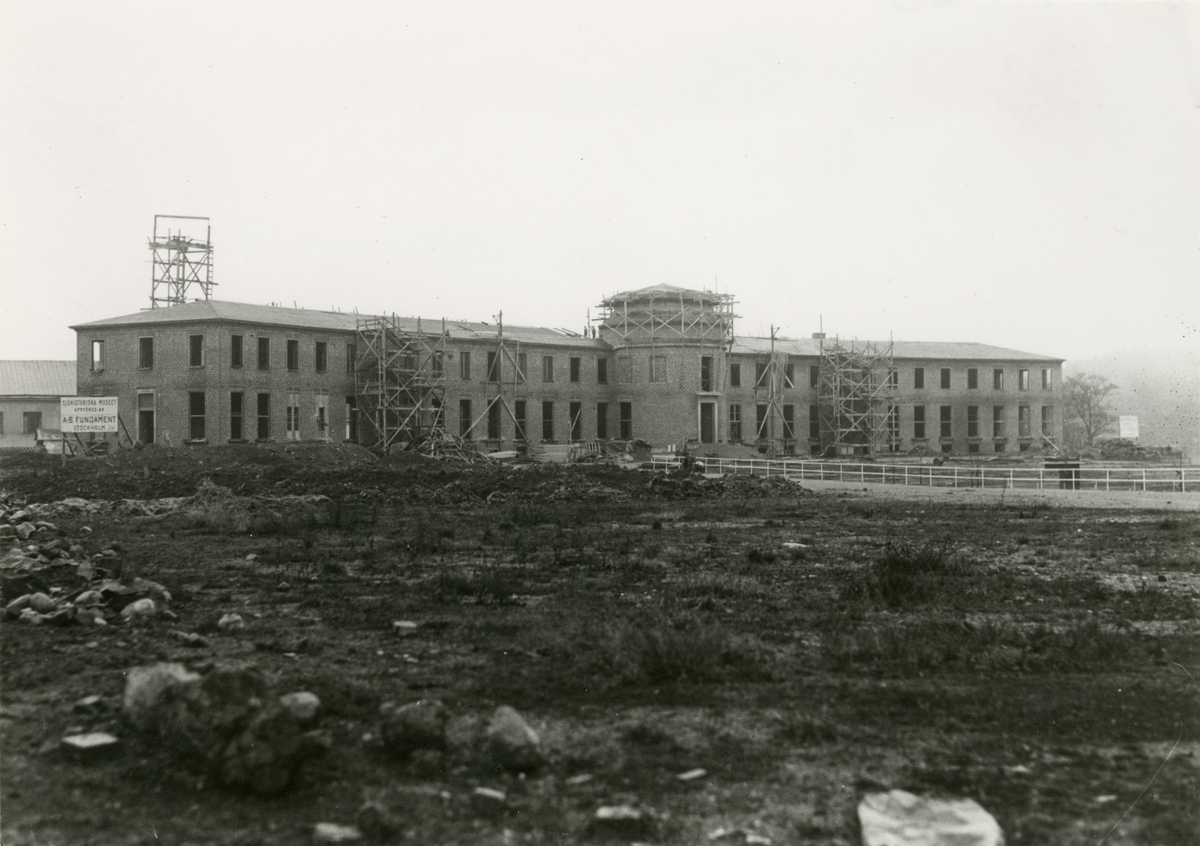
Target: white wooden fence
{"points": [[1171, 479]]}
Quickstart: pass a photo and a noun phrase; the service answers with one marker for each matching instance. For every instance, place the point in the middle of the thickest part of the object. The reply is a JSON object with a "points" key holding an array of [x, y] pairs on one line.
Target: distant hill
{"points": [[1161, 388]]}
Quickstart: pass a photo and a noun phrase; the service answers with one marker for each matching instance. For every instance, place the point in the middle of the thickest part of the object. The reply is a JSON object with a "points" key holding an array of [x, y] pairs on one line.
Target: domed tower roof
{"points": [[667, 314]]}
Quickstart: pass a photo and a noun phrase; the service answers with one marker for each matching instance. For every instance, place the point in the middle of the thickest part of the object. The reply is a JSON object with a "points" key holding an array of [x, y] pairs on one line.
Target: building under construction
{"points": [[661, 364]]}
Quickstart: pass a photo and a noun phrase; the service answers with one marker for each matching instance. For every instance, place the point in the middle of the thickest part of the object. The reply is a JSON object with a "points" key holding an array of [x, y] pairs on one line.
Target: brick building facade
{"points": [[663, 366]]}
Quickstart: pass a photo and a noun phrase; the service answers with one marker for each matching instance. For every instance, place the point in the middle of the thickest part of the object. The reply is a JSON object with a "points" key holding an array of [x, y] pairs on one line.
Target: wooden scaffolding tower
{"points": [[399, 381], [505, 382], [856, 398], [771, 377]]}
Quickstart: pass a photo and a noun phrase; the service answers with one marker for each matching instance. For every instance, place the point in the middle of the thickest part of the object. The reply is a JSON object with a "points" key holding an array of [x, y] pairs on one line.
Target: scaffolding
{"points": [[399, 381], [775, 425], [856, 398], [180, 264], [505, 374], [668, 315]]}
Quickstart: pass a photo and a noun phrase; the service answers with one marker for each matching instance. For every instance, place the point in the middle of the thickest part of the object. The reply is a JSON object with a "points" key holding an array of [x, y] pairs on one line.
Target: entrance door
{"points": [[146, 418], [708, 412]]}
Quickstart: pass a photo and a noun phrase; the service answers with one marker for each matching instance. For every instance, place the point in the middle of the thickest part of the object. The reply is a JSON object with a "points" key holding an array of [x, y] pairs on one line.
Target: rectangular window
{"points": [[735, 375], [945, 378], [789, 422], [293, 417], [1048, 420], [493, 423], [601, 421], [919, 422], [814, 375], [918, 377], [814, 423], [264, 353], [293, 354], [493, 368], [547, 421], [195, 350], [789, 375], [658, 367], [1047, 379], [602, 371], [1024, 427], [235, 416], [323, 417], [464, 417], [997, 380], [264, 417], [322, 356], [972, 421], [352, 419], [947, 422], [519, 422], [352, 359], [972, 448], [31, 421], [575, 413], [439, 363], [145, 353], [1023, 380], [575, 362], [760, 374], [893, 426], [735, 423], [998, 421], [760, 421], [464, 365], [998, 447], [893, 378], [972, 378], [1, 422], [625, 423], [522, 366], [235, 351], [97, 356], [547, 368], [706, 381], [196, 415]]}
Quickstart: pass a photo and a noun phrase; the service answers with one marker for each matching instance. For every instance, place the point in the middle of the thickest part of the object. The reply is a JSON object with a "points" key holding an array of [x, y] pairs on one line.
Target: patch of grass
{"points": [[906, 575]]}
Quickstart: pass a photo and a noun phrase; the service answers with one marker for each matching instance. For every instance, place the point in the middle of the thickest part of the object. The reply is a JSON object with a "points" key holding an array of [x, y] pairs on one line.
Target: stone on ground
{"points": [[621, 822], [512, 743], [899, 818], [304, 706], [147, 687], [418, 725], [334, 833]]}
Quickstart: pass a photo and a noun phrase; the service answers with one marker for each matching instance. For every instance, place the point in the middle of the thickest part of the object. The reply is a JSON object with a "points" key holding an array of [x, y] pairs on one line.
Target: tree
{"points": [[1086, 395]]}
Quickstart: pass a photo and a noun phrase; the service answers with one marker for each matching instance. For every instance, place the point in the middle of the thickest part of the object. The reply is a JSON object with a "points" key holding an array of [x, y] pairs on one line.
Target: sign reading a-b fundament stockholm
{"points": [[89, 414]]}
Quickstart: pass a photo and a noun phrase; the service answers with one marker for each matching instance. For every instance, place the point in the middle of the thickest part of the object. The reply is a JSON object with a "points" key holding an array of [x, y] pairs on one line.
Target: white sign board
{"points": [[1129, 427], [89, 414]]}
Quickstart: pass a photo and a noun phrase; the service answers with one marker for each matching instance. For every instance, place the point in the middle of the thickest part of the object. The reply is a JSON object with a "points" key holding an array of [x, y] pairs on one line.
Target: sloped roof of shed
{"points": [[37, 378]]}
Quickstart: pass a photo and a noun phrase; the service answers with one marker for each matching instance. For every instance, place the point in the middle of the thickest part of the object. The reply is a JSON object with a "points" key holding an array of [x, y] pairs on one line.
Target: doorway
{"points": [[146, 418], [708, 420]]}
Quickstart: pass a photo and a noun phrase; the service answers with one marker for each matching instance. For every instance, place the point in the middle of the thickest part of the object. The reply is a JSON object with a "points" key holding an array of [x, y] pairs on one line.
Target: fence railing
{"points": [[1170, 479]]}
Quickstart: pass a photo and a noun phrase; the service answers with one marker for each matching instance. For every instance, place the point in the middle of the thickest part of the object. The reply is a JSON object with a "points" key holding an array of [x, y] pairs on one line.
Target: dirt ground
{"points": [[801, 646]]}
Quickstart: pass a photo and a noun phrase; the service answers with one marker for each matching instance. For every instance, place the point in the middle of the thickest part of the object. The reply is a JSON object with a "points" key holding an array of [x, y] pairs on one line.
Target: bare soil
{"points": [[800, 647]]}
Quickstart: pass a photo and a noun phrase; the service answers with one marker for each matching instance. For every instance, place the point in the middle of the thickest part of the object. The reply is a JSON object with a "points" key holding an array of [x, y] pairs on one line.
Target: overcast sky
{"points": [[1020, 174]]}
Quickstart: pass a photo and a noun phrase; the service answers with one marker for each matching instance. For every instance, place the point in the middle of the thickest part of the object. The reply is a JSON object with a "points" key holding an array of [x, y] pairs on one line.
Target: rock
{"points": [[25, 530], [89, 597], [404, 628], [489, 803], [266, 755], [512, 743], [577, 780], [141, 609], [621, 822], [147, 688], [62, 617], [18, 605], [90, 747], [692, 775], [90, 616], [42, 604], [899, 818], [89, 704], [189, 638], [376, 822], [334, 833], [231, 623], [304, 706], [418, 725], [8, 532], [28, 615], [252, 557]]}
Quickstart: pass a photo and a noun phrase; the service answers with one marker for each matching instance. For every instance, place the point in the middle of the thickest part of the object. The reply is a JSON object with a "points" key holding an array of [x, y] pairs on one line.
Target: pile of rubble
{"points": [[446, 447], [45, 578]]}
